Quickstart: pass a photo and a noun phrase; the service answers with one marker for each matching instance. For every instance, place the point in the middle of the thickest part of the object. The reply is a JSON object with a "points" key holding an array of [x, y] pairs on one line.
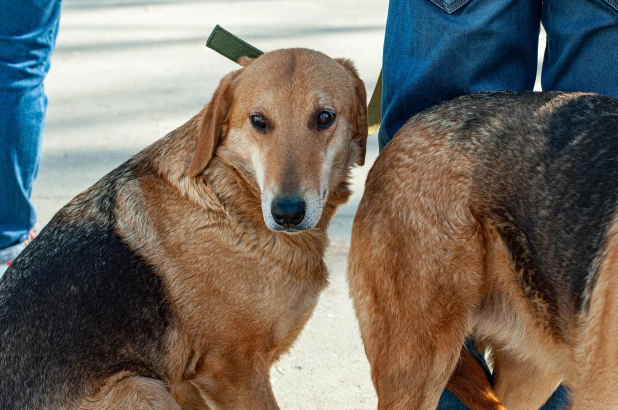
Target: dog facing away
{"points": [[181, 276], [494, 216]]}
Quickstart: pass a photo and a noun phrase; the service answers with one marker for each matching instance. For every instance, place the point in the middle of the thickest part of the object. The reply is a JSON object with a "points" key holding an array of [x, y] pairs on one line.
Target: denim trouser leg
{"points": [[432, 56], [582, 40], [28, 31]]}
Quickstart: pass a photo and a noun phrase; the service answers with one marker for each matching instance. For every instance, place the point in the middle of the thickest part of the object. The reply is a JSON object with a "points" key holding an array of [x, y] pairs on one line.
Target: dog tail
{"points": [[470, 384]]}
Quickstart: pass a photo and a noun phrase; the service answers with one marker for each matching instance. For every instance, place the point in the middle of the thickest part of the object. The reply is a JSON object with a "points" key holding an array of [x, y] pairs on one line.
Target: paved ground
{"points": [[126, 72]]}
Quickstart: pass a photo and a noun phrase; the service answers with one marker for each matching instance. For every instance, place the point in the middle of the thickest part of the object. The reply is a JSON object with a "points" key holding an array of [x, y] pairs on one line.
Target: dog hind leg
{"points": [[131, 392], [594, 380], [416, 270], [520, 383]]}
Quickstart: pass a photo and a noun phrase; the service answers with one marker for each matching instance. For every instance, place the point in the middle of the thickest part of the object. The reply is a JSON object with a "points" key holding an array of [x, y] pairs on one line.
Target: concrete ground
{"points": [[126, 72]]}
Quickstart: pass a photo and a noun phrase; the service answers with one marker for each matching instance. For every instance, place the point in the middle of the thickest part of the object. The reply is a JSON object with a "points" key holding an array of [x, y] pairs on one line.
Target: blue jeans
{"points": [[28, 31], [435, 50]]}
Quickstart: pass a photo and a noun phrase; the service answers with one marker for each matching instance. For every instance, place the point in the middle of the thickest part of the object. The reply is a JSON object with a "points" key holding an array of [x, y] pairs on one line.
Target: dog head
{"points": [[293, 120]]}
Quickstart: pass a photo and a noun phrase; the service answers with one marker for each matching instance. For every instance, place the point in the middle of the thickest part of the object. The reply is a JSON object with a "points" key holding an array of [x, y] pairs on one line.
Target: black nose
{"points": [[288, 211]]}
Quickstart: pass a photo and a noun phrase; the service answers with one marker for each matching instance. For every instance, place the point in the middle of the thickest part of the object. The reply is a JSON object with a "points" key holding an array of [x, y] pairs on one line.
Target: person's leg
{"points": [[581, 52], [28, 31], [431, 55], [559, 400]]}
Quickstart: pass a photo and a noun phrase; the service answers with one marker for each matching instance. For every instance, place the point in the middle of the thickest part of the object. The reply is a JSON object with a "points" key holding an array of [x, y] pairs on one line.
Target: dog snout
{"points": [[288, 211]]}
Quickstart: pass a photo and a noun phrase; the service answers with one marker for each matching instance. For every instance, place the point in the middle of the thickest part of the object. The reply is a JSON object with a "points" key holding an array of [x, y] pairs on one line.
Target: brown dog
{"points": [[180, 277], [494, 216]]}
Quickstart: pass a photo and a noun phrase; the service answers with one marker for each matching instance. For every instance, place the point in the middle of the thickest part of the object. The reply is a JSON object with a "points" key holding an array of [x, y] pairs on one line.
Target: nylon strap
{"points": [[232, 47], [374, 109]]}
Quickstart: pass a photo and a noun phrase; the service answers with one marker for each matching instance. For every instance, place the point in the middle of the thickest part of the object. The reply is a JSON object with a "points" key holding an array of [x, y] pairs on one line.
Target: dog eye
{"points": [[258, 121], [326, 118]]}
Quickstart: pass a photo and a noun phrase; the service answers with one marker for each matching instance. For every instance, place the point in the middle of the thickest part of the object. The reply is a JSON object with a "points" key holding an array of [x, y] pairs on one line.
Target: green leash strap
{"points": [[374, 109], [232, 47]]}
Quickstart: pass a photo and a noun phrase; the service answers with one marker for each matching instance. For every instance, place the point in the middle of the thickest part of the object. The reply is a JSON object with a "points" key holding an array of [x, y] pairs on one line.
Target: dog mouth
{"points": [[294, 231], [290, 230]]}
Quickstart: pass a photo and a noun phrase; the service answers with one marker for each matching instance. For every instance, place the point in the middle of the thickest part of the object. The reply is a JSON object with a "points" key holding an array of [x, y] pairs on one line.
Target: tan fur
{"points": [[528, 363], [240, 292], [594, 368], [411, 302], [130, 392], [433, 269]]}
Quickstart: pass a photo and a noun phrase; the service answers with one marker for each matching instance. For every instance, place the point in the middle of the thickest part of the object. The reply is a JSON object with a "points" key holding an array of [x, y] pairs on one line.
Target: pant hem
{"points": [[10, 253]]}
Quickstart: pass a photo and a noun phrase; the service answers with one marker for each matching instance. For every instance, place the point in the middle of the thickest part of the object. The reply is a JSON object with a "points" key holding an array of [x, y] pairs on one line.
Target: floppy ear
{"points": [[211, 127], [245, 61], [360, 133]]}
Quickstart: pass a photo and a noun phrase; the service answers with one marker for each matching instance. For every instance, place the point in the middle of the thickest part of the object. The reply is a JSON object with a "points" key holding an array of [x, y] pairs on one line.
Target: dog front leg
{"points": [[237, 389], [414, 299], [126, 391]]}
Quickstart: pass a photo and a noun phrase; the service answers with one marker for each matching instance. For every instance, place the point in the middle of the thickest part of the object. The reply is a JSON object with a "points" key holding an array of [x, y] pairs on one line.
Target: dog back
{"points": [[548, 184]]}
